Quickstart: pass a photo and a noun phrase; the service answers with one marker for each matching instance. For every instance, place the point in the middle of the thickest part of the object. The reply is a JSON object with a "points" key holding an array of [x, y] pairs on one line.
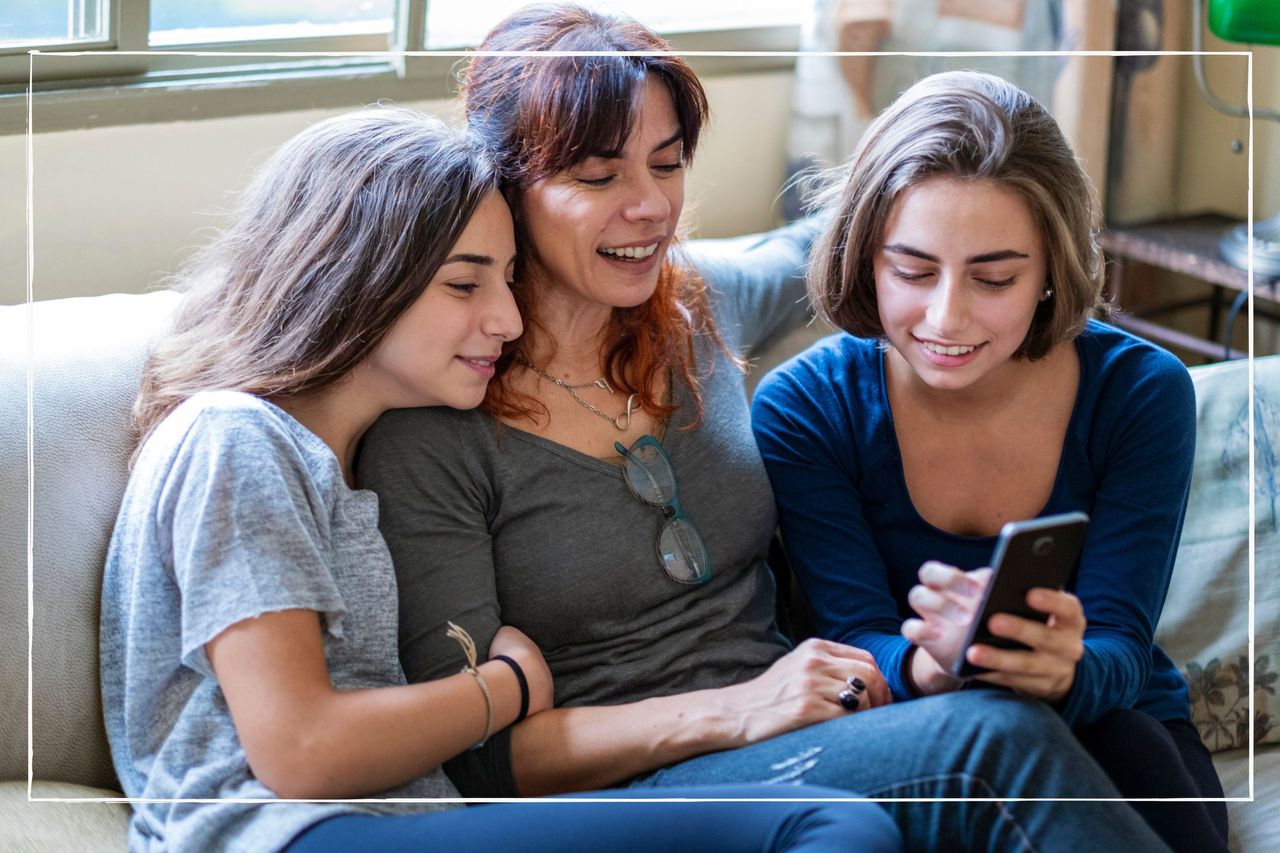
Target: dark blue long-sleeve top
{"points": [[855, 540]]}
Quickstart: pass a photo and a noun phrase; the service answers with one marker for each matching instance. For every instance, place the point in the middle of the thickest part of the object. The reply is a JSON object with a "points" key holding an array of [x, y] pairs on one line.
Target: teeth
{"points": [[483, 362], [631, 251], [941, 350]]}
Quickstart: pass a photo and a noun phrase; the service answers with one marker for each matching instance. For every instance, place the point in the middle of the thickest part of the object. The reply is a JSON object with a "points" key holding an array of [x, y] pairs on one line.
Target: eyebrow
{"points": [[985, 258], [467, 258], [666, 143]]}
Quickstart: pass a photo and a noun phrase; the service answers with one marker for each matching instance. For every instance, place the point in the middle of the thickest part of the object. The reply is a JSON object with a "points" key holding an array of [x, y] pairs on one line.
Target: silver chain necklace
{"points": [[622, 422]]}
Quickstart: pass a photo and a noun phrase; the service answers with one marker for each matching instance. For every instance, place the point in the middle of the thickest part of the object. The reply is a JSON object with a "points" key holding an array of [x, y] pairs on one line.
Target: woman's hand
{"points": [[802, 688], [1048, 670], [513, 643], [947, 600]]}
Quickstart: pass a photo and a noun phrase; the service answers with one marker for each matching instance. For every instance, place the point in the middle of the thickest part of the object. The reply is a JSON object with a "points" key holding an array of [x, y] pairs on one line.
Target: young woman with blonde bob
{"points": [[971, 388], [253, 696]]}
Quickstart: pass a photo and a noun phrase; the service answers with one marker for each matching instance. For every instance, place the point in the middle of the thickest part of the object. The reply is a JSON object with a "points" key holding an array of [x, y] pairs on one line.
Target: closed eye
{"points": [[596, 182], [669, 168], [465, 288], [910, 276], [998, 283]]}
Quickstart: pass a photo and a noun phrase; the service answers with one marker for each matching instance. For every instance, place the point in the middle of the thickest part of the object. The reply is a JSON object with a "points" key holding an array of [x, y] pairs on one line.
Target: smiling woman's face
{"points": [[959, 273], [442, 349], [601, 229]]}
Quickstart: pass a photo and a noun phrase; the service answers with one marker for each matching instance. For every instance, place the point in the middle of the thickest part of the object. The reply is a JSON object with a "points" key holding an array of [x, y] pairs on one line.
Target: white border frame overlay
{"points": [[31, 473]]}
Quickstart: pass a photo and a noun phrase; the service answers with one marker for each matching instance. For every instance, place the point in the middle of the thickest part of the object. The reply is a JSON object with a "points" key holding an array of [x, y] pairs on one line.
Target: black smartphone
{"points": [[1042, 552]]}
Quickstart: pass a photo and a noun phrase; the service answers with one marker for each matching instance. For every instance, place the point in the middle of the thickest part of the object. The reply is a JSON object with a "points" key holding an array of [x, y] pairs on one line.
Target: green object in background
{"points": [[1249, 21]]}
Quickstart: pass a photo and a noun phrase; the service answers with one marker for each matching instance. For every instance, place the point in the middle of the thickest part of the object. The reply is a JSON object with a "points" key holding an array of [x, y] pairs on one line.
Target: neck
{"points": [[569, 336], [338, 417]]}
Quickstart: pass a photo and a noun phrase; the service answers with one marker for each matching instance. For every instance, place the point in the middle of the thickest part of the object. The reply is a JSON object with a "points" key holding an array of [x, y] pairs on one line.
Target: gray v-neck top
{"points": [[490, 525]]}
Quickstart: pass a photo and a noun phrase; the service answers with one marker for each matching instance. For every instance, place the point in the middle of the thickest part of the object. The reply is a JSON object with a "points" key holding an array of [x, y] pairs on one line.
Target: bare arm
{"points": [[305, 739], [571, 749]]}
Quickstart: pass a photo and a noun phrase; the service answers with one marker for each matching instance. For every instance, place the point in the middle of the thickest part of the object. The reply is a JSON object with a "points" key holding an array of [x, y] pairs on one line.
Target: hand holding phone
{"points": [[1042, 552]]}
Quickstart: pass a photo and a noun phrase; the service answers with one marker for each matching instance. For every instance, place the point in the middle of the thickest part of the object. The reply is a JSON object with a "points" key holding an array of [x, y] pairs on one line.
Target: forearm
{"points": [[576, 749], [1112, 674], [361, 742]]}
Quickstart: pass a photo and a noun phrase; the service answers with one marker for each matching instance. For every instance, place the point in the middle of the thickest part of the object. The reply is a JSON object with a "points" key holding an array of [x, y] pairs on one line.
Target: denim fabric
{"points": [[570, 827], [971, 744]]}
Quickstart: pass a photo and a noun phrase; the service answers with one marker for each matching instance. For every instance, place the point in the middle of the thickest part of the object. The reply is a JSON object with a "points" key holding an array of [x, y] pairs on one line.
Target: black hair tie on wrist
{"points": [[524, 685]]}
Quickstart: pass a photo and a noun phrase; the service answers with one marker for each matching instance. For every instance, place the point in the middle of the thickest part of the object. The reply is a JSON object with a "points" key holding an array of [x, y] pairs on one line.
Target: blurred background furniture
{"points": [[1191, 246]]}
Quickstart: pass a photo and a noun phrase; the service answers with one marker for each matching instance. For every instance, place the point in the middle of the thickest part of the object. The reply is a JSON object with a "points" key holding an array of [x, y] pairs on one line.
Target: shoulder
{"points": [[1125, 369], [722, 260], [414, 447], [439, 428], [829, 388], [1139, 394], [837, 360], [234, 435]]}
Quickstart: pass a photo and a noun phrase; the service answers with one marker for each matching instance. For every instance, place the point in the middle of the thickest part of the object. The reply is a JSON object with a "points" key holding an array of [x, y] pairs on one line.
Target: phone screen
{"points": [[1042, 552]]}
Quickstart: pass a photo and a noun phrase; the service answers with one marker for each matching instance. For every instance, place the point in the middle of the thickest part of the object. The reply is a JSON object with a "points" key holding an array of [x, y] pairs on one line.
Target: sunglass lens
{"points": [[684, 556]]}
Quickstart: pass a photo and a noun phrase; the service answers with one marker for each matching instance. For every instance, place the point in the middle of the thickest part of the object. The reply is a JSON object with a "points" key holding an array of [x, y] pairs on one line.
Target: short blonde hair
{"points": [[968, 125]]}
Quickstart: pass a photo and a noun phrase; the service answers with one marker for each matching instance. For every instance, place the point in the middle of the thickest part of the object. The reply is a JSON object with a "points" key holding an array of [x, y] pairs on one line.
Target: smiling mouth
{"points": [[940, 349], [630, 253], [479, 362]]}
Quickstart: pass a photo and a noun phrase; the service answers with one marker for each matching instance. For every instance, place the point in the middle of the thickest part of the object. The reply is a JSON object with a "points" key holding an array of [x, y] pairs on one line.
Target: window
{"points": [[176, 22], [462, 23], [51, 21], [124, 68]]}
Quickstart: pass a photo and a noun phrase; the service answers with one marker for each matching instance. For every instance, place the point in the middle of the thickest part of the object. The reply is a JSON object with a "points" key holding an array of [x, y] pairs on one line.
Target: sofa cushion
{"points": [[1205, 623], [1252, 825], [41, 827], [87, 359]]}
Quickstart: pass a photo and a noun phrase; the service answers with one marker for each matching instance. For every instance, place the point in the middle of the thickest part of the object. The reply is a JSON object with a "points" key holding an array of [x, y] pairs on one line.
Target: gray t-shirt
{"points": [[490, 525], [234, 509]]}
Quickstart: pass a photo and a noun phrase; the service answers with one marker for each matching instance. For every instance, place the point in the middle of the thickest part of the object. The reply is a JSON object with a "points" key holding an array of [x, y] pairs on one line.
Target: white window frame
{"points": [[124, 86]]}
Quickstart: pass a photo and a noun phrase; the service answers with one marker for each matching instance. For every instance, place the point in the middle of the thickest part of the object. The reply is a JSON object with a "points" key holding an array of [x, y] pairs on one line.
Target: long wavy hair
{"points": [[541, 115], [336, 236]]}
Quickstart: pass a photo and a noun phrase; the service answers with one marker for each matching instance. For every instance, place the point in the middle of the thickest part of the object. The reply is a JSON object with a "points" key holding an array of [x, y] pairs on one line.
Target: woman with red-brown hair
{"points": [[608, 499]]}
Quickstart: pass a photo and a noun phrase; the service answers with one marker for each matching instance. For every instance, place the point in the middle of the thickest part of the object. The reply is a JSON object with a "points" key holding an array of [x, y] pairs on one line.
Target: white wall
{"points": [[119, 208]]}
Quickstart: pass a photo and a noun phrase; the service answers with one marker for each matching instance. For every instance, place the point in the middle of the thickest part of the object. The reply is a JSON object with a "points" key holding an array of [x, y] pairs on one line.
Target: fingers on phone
{"points": [[981, 577], [1037, 635], [940, 575], [919, 631], [1062, 605], [925, 600]]}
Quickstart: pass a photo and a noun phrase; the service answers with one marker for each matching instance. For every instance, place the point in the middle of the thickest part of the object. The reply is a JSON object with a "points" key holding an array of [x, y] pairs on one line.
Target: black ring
{"points": [[848, 700], [856, 683]]}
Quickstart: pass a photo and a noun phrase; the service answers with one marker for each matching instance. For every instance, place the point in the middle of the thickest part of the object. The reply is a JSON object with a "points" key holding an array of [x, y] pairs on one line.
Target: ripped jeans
{"points": [[970, 744]]}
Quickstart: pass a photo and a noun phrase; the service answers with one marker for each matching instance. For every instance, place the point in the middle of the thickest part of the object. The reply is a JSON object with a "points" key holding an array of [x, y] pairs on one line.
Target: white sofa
{"points": [[86, 358]]}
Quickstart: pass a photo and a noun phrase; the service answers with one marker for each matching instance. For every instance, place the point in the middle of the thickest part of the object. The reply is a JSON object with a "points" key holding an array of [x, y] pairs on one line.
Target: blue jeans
{"points": [[970, 744], [571, 827]]}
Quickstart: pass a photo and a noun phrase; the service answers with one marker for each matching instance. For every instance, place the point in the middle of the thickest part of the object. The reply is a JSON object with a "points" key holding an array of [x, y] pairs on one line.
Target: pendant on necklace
{"points": [[623, 421]]}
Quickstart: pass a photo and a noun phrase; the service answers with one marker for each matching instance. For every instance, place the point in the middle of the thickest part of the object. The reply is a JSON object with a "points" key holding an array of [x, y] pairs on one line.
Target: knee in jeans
{"points": [[1018, 719]]}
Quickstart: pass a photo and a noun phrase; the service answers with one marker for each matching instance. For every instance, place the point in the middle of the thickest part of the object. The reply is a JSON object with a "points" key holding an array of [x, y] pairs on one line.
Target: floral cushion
{"points": [[1206, 616]]}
